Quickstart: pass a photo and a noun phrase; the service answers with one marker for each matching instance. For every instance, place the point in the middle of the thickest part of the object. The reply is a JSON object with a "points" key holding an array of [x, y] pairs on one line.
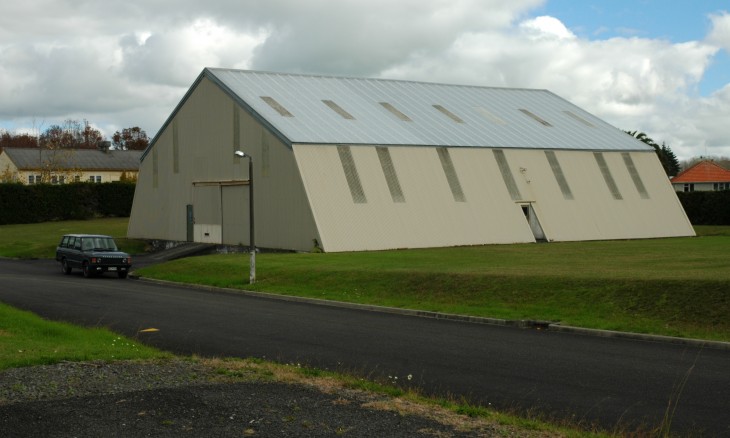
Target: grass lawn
{"points": [[26, 339], [27, 241], [675, 287]]}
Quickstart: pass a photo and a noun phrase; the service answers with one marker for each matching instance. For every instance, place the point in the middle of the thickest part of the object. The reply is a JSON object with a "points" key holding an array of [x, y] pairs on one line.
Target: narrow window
{"points": [[580, 119], [635, 175], [448, 113], [606, 172], [175, 149], [353, 179], [155, 168], [558, 173], [507, 177], [395, 111], [265, 159], [276, 106], [390, 176], [338, 109], [535, 117], [487, 115], [236, 133], [451, 177]]}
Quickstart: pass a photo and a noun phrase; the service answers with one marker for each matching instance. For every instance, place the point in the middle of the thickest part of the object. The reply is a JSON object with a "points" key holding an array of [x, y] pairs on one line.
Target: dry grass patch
{"points": [[486, 423]]}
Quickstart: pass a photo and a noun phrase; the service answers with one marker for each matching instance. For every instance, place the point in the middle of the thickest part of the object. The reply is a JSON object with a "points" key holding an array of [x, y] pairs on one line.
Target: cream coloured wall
{"points": [[171, 177], [431, 217]]}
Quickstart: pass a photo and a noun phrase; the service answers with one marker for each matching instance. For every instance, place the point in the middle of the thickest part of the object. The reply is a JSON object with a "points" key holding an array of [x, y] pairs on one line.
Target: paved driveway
{"points": [[607, 380]]}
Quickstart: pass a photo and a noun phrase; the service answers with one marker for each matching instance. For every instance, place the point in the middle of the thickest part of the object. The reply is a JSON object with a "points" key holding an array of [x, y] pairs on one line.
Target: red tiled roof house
{"points": [[703, 176]]}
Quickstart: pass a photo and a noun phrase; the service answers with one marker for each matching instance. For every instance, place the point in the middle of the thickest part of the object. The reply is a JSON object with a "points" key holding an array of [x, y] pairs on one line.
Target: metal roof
{"points": [[337, 110], [83, 159]]}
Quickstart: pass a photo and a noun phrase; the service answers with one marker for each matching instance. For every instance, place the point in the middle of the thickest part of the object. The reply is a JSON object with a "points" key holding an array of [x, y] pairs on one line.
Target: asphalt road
{"points": [[617, 383]]}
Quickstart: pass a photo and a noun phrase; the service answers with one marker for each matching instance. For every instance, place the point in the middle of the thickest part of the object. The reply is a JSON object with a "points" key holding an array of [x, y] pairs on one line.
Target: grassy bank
{"points": [[676, 287], [28, 241], [26, 339]]}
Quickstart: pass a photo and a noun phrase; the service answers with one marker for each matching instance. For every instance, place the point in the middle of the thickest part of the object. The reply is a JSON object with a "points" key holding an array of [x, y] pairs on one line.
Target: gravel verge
{"points": [[173, 398]]}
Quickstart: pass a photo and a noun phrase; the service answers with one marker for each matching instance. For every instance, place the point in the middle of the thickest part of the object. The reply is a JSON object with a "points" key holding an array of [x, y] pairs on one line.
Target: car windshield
{"points": [[98, 244]]}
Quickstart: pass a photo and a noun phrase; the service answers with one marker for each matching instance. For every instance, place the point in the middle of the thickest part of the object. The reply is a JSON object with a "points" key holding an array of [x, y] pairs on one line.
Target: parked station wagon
{"points": [[92, 253]]}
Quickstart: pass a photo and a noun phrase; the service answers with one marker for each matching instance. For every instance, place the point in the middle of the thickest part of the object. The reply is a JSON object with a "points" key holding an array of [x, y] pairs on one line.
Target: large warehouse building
{"points": [[368, 164]]}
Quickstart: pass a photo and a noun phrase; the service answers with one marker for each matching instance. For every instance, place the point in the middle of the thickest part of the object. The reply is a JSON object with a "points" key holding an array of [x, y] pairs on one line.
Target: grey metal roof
{"points": [[337, 110], [83, 159]]}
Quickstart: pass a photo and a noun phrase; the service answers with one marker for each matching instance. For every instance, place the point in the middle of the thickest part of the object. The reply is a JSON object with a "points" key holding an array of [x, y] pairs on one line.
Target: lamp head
{"points": [[240, 154]]}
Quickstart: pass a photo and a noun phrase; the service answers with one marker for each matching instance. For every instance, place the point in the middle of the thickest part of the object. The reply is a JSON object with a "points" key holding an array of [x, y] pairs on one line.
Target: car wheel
{"points": [[65, 268], [87, 270], [122, 274]]}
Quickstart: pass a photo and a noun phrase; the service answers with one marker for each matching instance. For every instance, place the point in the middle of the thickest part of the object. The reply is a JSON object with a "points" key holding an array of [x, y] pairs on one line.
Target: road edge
{"points": [[524, 324]]}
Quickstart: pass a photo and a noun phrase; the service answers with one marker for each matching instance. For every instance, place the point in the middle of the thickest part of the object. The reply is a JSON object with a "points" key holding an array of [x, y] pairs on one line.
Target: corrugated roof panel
{"points": [[313, 122]]}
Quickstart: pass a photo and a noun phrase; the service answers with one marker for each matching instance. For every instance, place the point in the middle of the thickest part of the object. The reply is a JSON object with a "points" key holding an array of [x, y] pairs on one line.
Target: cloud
{"points": [[121, 64], [720, 30]]}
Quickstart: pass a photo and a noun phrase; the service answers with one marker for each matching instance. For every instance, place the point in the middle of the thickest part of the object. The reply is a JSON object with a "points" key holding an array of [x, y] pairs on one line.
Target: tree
{"points": [[669, 161], [666, 156], [8, 140], [72, 134], [131, 139]]}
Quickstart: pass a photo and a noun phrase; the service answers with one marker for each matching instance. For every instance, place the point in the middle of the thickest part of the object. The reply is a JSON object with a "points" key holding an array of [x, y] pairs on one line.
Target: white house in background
{"points": [[58, 166], [702, 177], [371, 164]]}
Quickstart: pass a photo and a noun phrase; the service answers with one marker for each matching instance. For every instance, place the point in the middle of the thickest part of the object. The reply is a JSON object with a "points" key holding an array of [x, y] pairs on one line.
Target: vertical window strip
{"points": [[155, 168], [635, 175], [338, 109], [393, 110], [559, 175], [353, 179], [236, 133], [451, 177], [265, 159], [386, 162], [507, 177], [175, 149], [606, 172], [448, 114]]}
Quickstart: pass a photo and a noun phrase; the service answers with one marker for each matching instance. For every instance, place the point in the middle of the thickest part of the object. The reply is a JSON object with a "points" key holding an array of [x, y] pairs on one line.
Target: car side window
{"points": [[86, 244], [77, 244], [64, 242]]}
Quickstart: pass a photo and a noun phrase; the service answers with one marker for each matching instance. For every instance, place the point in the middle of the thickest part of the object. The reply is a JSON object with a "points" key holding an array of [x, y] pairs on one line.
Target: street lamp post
{"points": [[252, 272]]}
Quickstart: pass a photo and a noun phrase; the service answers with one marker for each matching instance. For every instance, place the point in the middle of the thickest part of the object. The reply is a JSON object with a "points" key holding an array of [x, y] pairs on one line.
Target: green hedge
{"points": [[706, 208], [22, 204]]}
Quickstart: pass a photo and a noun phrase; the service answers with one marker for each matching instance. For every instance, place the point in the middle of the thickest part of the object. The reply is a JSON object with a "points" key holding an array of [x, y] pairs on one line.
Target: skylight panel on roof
{"points": [[580, 119], [276, 106], [338, 109], [395, 111], [489, 116], [448, 113], [535, 117]]}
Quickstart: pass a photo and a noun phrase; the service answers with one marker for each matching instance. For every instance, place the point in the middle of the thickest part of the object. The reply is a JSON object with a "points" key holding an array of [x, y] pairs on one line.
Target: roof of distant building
{"points": [[83, 159], [704, 171]]}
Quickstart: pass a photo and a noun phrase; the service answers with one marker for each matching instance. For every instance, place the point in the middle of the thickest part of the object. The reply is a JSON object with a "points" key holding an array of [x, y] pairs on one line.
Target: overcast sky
{"points": [[658, 66]]}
